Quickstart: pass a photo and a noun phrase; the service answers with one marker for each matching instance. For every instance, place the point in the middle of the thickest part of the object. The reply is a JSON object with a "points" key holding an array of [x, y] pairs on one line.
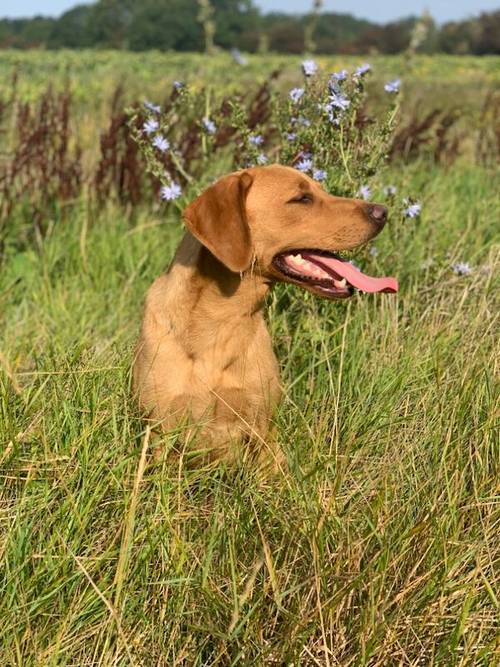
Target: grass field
{"points": [[380, 548]]}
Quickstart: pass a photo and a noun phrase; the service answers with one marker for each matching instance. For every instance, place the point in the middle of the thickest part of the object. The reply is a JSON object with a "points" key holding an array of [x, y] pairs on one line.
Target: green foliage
{"points": [[340, 142], [172, 24], [386, 528], [381, 546]]}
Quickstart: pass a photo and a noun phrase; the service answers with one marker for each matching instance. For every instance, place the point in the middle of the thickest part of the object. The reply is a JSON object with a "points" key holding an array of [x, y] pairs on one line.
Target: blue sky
{"points": [[385, 10]]}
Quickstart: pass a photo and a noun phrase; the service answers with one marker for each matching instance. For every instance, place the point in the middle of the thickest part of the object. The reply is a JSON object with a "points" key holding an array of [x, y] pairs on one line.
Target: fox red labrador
{"points": [[205, 366]]}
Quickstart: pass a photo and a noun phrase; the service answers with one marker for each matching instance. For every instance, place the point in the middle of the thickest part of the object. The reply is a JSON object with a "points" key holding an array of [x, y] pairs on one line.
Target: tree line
{"points": [[180, 25]]}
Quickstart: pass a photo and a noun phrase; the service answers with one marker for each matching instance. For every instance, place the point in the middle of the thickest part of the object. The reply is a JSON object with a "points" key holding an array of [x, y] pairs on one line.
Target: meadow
{"points": [[380, 547]]}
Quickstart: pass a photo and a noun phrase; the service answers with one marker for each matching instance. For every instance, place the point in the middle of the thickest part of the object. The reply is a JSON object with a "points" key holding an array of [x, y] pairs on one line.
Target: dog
{"points": [[204, 364]]}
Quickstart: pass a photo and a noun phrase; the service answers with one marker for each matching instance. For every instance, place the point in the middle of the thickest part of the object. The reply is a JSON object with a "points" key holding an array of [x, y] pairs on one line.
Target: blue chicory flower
{"points": [[291, 136], [411, 210], [296, 94], [339, 76], [161, 143], [155, 108], [256, 139], [209, 125], [150, 126], [338, 101], [319, 174], [262, 159], [304, 165], [309, 67], [462, 268], [171, 192], [177, 85], [392, 86], [362, 70], [390, 190], [364, 192]]}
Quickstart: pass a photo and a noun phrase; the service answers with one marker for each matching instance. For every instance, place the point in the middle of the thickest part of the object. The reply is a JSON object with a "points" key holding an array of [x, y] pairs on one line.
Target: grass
{"points": [[381, 548]]}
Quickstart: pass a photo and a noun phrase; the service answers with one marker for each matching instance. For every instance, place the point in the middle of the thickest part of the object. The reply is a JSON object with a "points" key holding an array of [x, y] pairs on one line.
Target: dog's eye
{"points": [[305, 198]]}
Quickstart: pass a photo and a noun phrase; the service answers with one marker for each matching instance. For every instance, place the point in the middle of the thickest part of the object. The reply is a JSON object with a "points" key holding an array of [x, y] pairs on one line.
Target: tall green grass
{"points": [[380, 547]]}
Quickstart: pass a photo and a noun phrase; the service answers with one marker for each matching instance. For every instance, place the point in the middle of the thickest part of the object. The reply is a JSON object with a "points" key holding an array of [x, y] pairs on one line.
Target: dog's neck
{"points": [[226, 302]]}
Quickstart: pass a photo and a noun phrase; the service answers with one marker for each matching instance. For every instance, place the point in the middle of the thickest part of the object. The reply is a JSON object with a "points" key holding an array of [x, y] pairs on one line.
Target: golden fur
{"points": [[204, 360]]}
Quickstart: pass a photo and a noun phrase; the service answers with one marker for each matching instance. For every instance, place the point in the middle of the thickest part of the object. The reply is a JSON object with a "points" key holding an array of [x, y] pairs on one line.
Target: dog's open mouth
{"points": [[329, 274]]}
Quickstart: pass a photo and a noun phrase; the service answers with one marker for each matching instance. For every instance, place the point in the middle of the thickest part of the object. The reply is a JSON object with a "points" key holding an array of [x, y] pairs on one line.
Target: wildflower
{"points": [[427, 263], [462, 268], [309, 67], [262, 159], [155, 108], [390, 190], [291, 136], [338, 76], [150, 126], [209, 125], [256, 139], [362, 70], [177, 85], [161, 143], [305, 164], [364, 192], [411, 210], [374, 251], [319, 174], [338, 101], [170, 192], [296, 94], [305, 122], [392, 86], [238, 57]]}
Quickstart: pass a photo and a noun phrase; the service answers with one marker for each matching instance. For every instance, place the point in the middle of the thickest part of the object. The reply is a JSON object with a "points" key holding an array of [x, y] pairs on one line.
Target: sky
{"points": [[380, 11]]}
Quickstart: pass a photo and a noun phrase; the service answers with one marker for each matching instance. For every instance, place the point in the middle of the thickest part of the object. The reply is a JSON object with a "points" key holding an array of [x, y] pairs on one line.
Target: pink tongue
{"points": [[337, 267]]}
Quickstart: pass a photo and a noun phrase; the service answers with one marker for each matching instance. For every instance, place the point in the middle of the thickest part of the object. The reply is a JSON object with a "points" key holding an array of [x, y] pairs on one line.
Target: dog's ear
{"points": [[217, 218]]}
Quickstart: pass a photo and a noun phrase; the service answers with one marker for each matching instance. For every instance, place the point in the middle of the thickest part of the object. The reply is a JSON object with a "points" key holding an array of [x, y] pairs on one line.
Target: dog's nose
{"points": [[377, 213]]}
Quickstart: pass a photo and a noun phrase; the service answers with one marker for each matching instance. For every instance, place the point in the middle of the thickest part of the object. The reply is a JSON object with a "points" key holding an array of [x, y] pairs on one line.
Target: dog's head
{"points": [[283, 225]]}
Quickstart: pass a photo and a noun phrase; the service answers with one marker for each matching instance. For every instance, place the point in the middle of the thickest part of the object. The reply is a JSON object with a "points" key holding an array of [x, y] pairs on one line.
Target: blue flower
{"points": [[161, 143], [339, 76], [177, 85], [411, 210], [309, 67], [256, 139], [390, 190], [462, 268], [338, 101], [362, 69], [155, 108], [291, 136], [296, 94], [238, 57], [209, 125], [364, 192], [305, 164], [150, 126], [305, 122], [171, 192], [319, 174], [262, 159], [392, 86]]}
